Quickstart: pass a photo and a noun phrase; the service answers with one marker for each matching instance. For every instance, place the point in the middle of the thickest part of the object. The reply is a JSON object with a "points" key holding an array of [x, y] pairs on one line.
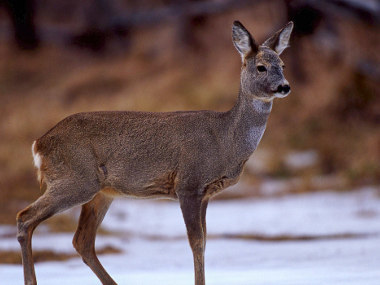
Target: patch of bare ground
{"points": [[288, 238], [14, 257], [267, 238]]}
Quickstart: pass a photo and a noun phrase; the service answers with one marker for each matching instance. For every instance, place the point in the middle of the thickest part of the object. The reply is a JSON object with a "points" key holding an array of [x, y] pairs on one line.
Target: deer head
{"points": [[262, 69]]}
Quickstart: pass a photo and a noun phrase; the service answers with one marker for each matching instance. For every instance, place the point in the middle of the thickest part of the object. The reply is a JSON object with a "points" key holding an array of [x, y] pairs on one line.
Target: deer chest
{"points": [[230, 178]]}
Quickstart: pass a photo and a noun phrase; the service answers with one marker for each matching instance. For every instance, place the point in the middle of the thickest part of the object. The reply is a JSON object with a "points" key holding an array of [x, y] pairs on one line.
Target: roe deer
{"points": [[90, 158]]}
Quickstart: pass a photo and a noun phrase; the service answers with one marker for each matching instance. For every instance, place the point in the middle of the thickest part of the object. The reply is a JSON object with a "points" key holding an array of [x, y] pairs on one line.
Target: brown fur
{"points": [[90, 158]]}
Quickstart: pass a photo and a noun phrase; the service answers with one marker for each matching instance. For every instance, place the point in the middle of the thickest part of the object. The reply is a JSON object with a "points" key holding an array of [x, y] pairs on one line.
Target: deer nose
{"points": [[284, 89]]}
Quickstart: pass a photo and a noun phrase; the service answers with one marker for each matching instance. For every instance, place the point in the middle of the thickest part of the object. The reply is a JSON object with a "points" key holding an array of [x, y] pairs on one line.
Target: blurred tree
{"points": [[22, 14], [310, 16], [101, 26], [188, 24], [307, 19]]}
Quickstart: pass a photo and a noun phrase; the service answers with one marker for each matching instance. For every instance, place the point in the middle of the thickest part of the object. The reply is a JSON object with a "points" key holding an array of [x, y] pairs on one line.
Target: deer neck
{"points": [[247, 122]]}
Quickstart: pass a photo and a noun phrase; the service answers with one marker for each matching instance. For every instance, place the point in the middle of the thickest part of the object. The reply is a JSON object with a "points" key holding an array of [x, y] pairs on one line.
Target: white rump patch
{"points": [[36, 157]]}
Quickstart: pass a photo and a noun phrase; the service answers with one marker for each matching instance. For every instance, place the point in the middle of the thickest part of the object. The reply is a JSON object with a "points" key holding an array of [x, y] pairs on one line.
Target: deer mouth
{"points": [[280, 95]]}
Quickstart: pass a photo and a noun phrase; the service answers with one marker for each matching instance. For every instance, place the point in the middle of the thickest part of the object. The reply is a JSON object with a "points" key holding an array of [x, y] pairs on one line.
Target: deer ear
{"points": [[243, 41], [280, 40]]}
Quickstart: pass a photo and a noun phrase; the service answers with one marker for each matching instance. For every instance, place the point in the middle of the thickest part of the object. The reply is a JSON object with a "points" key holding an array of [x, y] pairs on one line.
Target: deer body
{"points": [[120, 154], [90, 158]]}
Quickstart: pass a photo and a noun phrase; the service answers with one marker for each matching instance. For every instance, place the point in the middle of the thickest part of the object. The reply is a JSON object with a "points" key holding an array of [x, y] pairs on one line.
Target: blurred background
{"points": [[65, 56]]}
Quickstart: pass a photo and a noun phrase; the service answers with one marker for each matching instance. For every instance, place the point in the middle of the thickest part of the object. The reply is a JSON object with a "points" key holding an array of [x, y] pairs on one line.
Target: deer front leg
{"points": [[194, 213]]}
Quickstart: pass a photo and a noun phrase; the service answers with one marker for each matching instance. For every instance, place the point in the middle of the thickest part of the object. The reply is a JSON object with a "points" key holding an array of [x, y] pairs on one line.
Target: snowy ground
{"points": [[330, 238]]}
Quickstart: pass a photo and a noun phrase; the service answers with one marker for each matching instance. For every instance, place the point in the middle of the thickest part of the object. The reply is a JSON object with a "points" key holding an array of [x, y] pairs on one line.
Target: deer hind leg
{"points": [[57, 198], [91, 216], [194, 213]]}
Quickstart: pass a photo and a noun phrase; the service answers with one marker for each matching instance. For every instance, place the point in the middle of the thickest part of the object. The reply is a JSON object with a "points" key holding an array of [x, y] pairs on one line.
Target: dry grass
{"points": [[14, 257], [287, 238], [39, 89], [265, 238]]}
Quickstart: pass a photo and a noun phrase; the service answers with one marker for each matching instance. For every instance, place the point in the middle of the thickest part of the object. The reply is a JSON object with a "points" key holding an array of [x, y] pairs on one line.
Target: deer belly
{"points": [[162, 186]]}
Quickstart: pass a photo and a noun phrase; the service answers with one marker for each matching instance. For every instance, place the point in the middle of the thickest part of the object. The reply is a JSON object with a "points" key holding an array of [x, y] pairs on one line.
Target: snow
{"points": [[301, 159], [151, 235]]}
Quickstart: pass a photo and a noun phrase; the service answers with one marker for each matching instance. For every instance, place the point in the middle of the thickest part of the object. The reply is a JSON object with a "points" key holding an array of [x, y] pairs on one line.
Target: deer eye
{"points": [[261, 68]]}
